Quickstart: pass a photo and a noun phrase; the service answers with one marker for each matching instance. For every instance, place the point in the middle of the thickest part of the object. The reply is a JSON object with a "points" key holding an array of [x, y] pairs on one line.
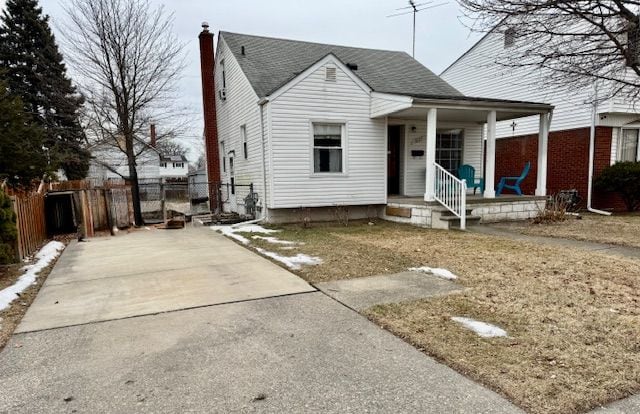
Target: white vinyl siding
{"points": [[476, 74], [383, 104], [292, 114], [240, 108]]}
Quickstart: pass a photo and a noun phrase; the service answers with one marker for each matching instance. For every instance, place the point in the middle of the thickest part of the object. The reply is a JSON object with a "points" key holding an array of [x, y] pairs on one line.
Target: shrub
{"points": [[555, 210], [622, 178], [8, 232]]}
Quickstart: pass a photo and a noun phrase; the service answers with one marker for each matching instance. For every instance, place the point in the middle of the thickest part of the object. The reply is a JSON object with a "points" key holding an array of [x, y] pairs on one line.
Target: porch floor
{"points": [[471, 199]]}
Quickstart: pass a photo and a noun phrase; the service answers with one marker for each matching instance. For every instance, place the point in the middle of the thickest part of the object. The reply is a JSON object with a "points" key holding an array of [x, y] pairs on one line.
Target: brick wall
{"points": [[207, 67], [568, 162]]}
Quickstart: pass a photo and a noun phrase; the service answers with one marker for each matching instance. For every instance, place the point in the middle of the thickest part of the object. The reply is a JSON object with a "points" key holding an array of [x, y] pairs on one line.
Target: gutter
{"points": [[262, 102], [592, 144]]}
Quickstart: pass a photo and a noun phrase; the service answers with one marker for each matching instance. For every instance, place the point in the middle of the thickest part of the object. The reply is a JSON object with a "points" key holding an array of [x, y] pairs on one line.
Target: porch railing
{"points": [[451, 192]]}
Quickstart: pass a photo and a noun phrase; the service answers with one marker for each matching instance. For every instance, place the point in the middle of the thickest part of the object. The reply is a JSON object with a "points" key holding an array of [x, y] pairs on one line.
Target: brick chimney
{"points": [[154, 139], [207, 69]]}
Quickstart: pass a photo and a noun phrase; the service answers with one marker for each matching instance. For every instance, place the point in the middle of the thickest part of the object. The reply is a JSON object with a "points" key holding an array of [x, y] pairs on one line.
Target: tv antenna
{"points": [[415, 8]]}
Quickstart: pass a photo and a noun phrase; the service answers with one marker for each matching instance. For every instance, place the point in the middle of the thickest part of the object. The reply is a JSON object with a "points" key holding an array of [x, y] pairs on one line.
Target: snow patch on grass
{"points": [[252, 228], [292, 262], [483, 329], [45, 256], [274, 240], [230, 232], [436, 271]]}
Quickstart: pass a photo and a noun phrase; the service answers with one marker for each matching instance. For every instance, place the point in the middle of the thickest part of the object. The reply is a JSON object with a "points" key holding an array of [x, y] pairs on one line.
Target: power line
{"points": [[415, 8]]}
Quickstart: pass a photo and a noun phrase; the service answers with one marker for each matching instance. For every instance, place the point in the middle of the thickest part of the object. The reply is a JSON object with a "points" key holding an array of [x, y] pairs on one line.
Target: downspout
{"points": [[262, 103], [592, 145]]}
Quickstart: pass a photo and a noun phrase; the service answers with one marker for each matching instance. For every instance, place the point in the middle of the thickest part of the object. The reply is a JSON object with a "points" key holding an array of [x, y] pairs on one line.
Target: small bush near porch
{"points": [[572, 317]]}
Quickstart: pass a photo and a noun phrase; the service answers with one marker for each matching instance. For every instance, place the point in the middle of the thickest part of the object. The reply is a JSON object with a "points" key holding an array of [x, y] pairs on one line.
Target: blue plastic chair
{"points": [[467, 172], [504, 181]]}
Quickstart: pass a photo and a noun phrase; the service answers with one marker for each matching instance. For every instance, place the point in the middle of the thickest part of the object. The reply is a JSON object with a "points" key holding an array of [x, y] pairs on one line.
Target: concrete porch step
{"points": [[454, 221]]}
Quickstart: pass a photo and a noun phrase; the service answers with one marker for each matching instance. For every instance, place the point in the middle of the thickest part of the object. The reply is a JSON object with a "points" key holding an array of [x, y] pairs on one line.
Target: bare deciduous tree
{"points": [[575, 43], [129, 62]]}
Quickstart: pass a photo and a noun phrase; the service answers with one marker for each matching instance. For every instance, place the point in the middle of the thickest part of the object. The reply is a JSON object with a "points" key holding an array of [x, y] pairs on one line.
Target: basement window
{"points": [[327, 148]]}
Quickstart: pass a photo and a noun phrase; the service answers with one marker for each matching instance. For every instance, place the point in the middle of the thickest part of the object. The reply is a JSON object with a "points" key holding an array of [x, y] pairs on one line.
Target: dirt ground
{"points": [[11, 317], [573, 318], [620, 229]]}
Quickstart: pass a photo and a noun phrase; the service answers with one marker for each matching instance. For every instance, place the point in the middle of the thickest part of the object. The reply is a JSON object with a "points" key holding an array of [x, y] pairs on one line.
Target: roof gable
{"points": [[270, 63], [328, 59]]}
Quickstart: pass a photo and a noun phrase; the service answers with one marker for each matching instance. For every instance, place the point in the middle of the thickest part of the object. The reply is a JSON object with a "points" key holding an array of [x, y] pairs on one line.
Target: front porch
{"points": [[416, 211], [429, 140]]}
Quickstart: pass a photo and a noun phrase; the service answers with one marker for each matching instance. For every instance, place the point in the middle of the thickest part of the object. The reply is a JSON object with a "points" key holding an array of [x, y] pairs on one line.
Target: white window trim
{"points": [[344, 145], [244, 141], [461, 133], [223, 157], [620, 141]]}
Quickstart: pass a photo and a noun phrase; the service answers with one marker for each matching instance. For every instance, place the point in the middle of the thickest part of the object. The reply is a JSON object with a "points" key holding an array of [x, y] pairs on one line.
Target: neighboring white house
{"points": [[617, 124], [318, 126], [109, 163], [173, 166]]}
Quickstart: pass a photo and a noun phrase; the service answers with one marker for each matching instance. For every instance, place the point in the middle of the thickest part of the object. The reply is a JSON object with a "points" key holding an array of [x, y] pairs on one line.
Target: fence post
{"points": [[162, 201]]}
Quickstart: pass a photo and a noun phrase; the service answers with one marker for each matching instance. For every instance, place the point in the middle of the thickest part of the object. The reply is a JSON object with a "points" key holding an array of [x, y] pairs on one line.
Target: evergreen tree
{"points": [[36, 73], [21, 156], [8, 232]]}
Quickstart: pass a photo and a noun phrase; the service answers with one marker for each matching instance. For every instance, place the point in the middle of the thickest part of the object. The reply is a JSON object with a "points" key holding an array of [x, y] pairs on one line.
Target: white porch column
{"points": [[430, 175], [490, 169], [543, 139]]}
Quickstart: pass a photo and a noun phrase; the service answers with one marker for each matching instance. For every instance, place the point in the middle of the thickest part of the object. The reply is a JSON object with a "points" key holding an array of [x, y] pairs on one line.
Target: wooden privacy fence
{"points": [[104, 208], [32, 230]]}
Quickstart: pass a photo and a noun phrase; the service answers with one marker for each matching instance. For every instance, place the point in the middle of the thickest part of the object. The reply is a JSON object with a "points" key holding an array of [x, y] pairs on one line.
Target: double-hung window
{"points": [[629, 145], [328, 147], [449, 150]]}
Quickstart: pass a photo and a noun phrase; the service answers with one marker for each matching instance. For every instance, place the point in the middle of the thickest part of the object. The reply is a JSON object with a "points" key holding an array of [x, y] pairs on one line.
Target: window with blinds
{"points": [[327, 148]]}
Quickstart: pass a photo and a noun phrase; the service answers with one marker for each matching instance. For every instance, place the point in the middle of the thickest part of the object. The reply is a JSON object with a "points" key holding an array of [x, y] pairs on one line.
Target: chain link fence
{"points": [[192, 197]]}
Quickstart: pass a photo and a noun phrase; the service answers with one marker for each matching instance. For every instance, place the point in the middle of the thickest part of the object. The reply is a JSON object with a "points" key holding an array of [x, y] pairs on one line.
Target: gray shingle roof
{"points": [[269, 63]]}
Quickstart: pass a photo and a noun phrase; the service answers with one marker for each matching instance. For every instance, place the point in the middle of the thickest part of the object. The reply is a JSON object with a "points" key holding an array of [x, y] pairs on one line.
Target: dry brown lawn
{"points": [[623, 229], [573, 317]]}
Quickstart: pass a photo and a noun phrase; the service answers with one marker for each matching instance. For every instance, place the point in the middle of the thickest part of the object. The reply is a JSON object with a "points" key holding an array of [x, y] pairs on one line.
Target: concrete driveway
{"points": [[187, 321], [152, 271]]}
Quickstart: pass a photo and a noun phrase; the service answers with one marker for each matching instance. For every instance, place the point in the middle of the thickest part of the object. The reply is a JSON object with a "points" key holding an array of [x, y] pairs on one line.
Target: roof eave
{"points": [[489, 104]]}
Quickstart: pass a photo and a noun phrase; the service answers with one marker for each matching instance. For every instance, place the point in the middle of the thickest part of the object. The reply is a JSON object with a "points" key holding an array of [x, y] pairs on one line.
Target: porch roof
{"points": [[455, 108]]}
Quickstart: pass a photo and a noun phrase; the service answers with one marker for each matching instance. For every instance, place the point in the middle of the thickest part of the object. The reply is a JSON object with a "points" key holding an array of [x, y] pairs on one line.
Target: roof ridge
{"points": [[315, 43]]}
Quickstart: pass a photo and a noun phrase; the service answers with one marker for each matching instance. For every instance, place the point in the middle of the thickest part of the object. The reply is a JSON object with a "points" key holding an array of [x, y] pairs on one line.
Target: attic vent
{"points": [[352, 66], [330, 74]]}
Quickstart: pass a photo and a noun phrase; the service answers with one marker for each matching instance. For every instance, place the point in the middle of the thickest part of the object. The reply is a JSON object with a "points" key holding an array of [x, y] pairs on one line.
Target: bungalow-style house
{"points": [[109, 162], [319, 128], [616, 125]]}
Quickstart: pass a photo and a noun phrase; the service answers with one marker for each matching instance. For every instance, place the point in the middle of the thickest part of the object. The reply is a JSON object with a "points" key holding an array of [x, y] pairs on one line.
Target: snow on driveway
{"points": [[44, 257]]}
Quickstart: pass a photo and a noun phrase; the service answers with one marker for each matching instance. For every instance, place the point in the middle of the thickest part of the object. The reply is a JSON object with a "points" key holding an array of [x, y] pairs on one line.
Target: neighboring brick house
{"points": [[616, 133]]}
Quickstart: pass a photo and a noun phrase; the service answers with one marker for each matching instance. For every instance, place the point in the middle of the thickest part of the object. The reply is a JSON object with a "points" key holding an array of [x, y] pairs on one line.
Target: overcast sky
{"points": [[440, 36]]}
